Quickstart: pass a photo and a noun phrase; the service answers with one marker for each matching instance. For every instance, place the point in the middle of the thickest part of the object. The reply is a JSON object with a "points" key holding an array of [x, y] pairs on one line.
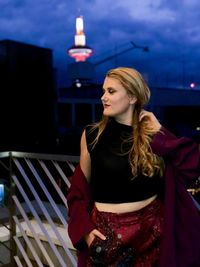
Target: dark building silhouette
{"points": [[177, 109], [33, 117], [27, 97]]}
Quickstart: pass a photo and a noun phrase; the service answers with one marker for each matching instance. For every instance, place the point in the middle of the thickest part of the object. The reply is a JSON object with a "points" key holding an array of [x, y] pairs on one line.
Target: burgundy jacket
{"points": [[181, 236]]}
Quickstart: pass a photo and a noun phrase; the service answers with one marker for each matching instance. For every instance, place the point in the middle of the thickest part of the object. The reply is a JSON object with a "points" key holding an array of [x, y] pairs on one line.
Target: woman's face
{"points": [[116, 102]]}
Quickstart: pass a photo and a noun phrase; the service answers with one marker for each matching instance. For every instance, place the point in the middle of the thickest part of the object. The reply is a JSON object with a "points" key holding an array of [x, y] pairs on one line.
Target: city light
{"points": [[1, 193], [192, 85]]}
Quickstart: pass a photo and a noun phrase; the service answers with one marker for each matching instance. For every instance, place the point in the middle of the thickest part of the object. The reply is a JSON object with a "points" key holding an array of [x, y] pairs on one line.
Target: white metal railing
{"points": [[38, 212], [37, 205]]}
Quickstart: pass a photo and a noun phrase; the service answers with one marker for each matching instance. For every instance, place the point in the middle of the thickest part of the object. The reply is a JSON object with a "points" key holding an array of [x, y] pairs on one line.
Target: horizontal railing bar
{"points": [[5, 154], [19, 154], [45, 156]]}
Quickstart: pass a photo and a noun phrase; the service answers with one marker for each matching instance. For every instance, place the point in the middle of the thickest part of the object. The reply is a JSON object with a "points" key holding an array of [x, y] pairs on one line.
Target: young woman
{"points": [[128, 201]]}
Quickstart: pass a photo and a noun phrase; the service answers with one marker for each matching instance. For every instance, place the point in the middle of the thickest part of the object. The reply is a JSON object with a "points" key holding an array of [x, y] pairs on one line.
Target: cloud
{"points": [[169, 28]]}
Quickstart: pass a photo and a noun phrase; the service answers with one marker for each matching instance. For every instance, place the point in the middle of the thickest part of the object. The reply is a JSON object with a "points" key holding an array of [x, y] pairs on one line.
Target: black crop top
{"points": [[110, 169]]}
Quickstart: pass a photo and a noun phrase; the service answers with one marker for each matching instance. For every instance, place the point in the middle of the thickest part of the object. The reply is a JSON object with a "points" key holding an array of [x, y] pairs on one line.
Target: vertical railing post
{"points": [[12, 212]]}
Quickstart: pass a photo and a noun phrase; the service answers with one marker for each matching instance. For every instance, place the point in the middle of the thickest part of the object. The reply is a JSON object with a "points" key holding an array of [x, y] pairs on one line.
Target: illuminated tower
{"points": [[81, 71], [80, 51]]}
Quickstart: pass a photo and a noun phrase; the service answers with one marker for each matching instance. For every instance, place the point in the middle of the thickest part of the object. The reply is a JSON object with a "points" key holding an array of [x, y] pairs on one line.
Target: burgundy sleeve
{"points": [[79, 204], [183, 153]]}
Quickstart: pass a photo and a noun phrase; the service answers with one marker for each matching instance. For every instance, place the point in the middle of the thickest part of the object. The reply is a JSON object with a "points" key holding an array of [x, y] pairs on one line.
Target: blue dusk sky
{"points": [[170, 29]]}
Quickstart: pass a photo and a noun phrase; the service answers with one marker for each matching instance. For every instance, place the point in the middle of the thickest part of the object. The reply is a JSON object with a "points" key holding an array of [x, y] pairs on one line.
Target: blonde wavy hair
{"points": [[142, 159]]}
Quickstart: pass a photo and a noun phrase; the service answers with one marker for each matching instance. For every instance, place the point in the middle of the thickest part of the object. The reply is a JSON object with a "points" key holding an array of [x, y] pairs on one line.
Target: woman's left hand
{"points": [[151, 120]]}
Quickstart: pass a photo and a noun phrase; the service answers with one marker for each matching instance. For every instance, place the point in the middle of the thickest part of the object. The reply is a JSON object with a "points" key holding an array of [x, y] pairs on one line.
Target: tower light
{"points": [[79, 51]]}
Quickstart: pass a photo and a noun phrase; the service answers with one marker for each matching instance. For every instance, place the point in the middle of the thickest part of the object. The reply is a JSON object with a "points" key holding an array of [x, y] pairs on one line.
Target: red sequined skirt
{"points": [[132, 239]]}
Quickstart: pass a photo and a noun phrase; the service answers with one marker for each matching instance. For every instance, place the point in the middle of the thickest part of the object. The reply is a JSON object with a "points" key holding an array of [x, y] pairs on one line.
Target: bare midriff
{"points": [[124, 207]]}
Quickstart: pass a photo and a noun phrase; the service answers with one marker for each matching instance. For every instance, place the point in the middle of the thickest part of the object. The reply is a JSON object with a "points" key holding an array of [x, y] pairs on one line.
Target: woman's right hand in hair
{"points": [[91, 236], [151, 120]]}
